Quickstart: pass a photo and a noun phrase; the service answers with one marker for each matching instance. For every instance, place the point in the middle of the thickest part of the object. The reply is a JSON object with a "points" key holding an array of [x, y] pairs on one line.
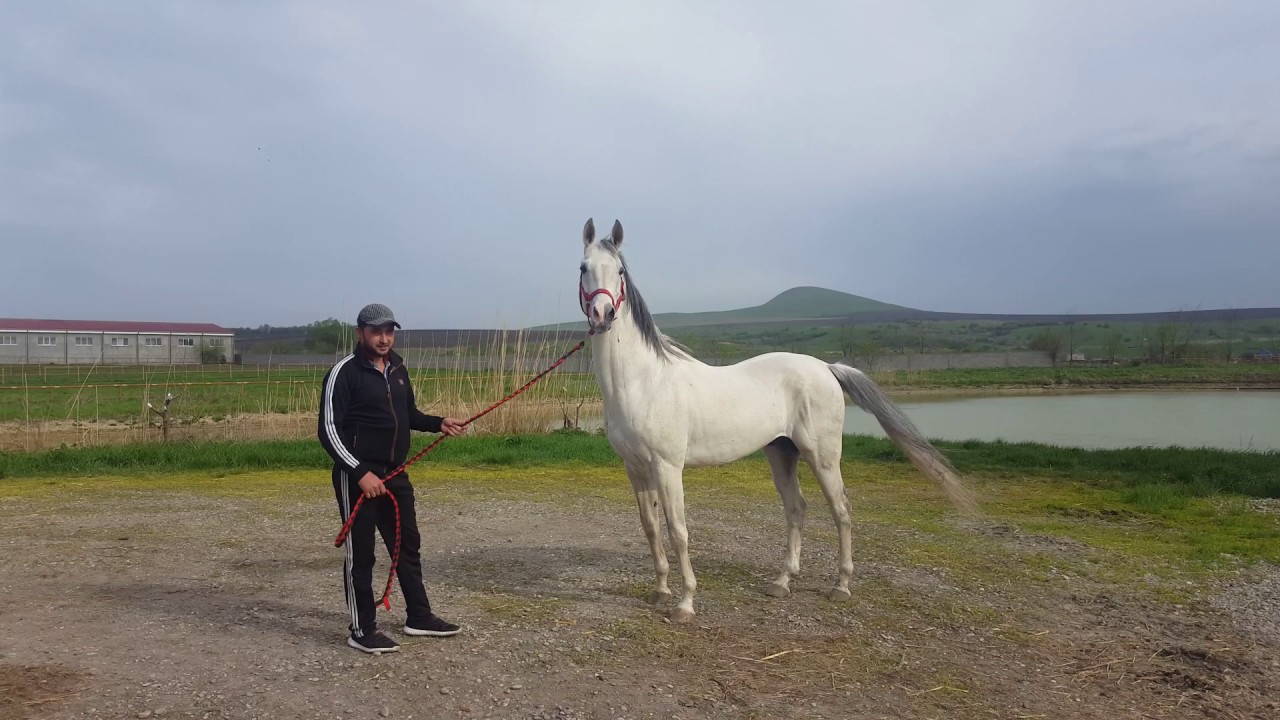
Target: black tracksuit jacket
{"points": [[365, 416]]}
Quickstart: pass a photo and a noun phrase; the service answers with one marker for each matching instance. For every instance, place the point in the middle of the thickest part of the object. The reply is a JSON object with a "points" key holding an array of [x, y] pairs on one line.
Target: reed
{"points": [[49, 407], [500, 364]]}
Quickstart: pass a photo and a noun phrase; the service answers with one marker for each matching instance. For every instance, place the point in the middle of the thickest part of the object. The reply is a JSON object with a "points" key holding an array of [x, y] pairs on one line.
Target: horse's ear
{"points": [[588, 232], [616, 234]]}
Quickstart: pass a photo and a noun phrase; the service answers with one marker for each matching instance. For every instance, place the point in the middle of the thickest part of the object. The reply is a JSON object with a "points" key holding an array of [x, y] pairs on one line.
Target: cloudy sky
{"points": [[246, 163]]}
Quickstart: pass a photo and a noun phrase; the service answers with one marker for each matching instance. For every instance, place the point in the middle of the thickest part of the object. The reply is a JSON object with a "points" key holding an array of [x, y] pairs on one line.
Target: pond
{"points": [[1228, 419]]}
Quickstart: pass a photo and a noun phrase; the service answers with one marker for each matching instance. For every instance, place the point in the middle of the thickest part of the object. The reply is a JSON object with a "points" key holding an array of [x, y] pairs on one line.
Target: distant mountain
{"points": [[798, 303]]}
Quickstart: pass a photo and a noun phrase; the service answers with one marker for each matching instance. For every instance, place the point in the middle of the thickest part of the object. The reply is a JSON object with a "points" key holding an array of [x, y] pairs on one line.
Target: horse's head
{"points": [[602, 283]]}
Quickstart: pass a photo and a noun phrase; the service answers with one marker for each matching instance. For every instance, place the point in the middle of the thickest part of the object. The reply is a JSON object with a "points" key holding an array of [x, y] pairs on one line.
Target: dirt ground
{"points": [[136, 604]]}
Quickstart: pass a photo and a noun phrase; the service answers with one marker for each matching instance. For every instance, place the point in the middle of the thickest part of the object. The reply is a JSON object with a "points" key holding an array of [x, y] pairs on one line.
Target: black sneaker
{"points": [[373, 642], [434, 626]]}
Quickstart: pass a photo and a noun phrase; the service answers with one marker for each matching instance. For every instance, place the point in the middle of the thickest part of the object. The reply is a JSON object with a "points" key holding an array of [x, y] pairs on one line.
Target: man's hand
{"points": [[371, 485], [452, 427]]}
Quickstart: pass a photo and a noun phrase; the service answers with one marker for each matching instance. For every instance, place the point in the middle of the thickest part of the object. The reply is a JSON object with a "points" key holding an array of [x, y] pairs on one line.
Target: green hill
{"points": [[799, 303]]}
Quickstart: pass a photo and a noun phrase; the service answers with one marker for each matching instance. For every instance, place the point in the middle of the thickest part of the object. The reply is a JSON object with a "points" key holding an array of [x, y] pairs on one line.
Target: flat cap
{"points": [[376, 315]]}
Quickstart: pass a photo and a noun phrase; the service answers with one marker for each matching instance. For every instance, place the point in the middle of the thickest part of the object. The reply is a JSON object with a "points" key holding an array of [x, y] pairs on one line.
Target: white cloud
{"points": [[747, 147]]}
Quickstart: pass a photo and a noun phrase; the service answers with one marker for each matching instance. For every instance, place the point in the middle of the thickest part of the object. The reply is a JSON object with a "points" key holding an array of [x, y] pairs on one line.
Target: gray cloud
{"points": [[243, 165]]}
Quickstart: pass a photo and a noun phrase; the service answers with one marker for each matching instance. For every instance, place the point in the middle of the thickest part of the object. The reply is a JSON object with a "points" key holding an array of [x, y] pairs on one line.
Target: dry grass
{"points": [[509, 361], [280, 405]]}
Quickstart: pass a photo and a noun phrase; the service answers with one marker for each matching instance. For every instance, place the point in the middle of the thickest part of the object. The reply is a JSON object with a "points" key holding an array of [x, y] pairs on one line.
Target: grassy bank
{"points": [[1154, 508], [113, 394], [1177, 472]]}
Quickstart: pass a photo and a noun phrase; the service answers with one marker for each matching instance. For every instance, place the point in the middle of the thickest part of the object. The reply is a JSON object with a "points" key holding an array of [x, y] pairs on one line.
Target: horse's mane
{"points": [[663, 346]]}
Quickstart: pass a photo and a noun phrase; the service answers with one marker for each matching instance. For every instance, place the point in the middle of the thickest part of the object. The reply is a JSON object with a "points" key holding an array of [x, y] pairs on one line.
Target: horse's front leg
{"points": [[647, 500], [671, 486]]}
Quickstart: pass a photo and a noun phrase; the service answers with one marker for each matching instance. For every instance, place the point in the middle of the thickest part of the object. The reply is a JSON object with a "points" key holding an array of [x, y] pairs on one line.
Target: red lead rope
{"points": [[385, 601]]}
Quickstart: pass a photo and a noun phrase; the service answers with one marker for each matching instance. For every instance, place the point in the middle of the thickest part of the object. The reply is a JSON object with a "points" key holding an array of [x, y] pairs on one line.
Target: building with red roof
{"points": [[110, 342]]}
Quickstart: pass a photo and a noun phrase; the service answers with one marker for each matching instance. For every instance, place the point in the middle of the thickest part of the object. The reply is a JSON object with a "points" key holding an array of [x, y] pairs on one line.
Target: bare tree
{"points": [[1111, 344], [868, 353], [1232, 330], [572, 423], [1185, 330], [1050, 343], [1161, 342], [900, 337], [919, 329], [163, 424], [848, 340]]}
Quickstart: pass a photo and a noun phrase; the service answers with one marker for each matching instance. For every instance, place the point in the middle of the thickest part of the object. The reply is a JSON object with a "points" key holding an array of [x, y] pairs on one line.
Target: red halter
{"points": [[585, 299]]}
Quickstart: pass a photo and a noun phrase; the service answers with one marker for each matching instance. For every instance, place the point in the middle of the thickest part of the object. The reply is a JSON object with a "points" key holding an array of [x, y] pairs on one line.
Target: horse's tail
{"points": [[868, 396]]}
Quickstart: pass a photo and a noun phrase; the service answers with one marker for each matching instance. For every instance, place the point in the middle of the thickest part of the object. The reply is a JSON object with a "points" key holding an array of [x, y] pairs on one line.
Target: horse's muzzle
{"points": [[601, 318]]}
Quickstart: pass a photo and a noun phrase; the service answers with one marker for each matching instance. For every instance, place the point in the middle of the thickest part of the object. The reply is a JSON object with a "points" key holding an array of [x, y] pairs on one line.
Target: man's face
{"points": [[377, 340]]}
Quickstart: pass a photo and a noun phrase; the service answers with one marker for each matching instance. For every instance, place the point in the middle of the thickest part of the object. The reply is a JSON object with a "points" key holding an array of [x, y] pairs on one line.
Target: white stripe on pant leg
{"points": [[350, 561]]}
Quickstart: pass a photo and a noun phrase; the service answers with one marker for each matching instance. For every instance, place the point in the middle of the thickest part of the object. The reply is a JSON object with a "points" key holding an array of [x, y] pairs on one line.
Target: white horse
{"points": [[665, 411]]}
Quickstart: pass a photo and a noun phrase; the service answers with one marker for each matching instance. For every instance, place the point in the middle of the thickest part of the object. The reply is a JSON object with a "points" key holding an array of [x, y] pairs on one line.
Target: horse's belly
{"points": [[723, 435]]}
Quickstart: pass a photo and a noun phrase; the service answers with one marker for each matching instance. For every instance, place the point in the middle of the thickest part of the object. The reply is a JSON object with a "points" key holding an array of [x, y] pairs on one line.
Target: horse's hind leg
{"points": [[784, 461], [648, 499], [825, 462]]}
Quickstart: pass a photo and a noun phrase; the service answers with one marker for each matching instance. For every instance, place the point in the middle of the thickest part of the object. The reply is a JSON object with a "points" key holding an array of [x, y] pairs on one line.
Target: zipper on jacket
{"points": [[394, 417]]}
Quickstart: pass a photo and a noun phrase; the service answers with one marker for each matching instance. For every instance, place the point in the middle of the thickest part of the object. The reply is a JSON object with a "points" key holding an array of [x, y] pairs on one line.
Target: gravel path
{"points": [[176, 605]]}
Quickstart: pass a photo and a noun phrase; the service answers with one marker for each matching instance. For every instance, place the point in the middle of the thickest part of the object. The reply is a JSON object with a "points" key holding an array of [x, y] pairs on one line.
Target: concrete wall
{"points": [[81, 348], [11, 354], [79, 353], [948, 361], [225, 345], [119, 348], [45, 354]]}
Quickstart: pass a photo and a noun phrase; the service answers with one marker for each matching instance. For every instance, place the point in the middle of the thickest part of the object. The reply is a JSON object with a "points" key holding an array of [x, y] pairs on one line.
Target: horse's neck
{"points": [[624, 364]]}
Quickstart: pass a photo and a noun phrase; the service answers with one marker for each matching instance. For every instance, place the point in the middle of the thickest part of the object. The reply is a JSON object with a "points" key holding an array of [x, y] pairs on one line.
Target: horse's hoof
{"points": [[839, 595], [657, 596], [680, 615], [777, 591]]}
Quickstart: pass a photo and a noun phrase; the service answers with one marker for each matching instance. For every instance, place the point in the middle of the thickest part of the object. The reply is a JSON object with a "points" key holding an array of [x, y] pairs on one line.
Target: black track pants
{"points": [[357, 571]]}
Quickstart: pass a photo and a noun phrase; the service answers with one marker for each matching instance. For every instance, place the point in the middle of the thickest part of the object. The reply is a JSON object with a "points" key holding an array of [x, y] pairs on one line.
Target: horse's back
{"points": [[790, 369], [714, 414], [802, 387]]}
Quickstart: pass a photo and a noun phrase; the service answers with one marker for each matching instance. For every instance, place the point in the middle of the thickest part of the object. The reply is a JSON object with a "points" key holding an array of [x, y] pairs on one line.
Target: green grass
{"points": [[1128, 340], [117, 394], [114, 393], [1183, 472], [521, 609], [491, 450], [1140, 534], [120, 393], [1161, 520], [1192, 471]]}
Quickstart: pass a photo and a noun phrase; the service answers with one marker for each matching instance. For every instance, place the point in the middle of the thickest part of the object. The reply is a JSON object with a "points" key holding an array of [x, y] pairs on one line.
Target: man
{"points": [[367, 409]]}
